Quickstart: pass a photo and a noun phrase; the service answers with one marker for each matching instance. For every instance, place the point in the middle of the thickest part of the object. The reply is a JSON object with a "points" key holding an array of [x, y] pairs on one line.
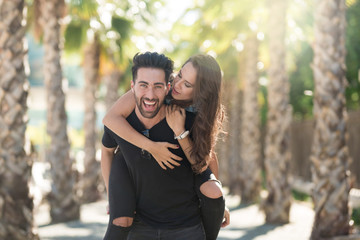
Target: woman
{"points": [[197, 86]]}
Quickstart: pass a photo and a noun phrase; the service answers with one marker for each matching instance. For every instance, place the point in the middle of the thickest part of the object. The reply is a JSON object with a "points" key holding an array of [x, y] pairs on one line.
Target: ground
{"points": [[247, 222]]}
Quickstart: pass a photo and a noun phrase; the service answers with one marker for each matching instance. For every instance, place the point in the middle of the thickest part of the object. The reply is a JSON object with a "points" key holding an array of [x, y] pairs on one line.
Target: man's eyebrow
{"points": [[159, 83], [143, 82]]}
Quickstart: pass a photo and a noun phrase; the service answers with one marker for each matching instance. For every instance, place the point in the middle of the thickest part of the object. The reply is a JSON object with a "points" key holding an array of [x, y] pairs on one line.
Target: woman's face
{"points": [[184, 83]]}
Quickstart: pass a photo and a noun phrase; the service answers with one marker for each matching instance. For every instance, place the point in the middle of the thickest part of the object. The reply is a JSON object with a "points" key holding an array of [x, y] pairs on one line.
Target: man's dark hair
{"points": [[152, 60]]}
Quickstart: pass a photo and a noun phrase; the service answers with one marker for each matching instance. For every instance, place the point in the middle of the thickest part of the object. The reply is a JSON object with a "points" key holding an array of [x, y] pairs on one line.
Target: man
{"points": [[167, 206]]}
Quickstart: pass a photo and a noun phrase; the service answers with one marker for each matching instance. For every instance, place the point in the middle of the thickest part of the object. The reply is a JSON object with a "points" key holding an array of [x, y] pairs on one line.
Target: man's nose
{"points": [[150, 93]]}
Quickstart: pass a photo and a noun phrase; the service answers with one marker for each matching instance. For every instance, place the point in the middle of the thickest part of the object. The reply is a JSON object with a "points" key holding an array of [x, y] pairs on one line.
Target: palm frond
{"points": [[75, 36], [83, 9]]}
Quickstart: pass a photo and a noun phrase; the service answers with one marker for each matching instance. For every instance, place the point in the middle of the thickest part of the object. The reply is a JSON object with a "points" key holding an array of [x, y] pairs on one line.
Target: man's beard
{"points": [[145, 113]]}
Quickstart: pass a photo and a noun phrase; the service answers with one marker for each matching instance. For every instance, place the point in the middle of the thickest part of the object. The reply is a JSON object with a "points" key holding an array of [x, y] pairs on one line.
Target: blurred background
{"points": [[291, 91]]}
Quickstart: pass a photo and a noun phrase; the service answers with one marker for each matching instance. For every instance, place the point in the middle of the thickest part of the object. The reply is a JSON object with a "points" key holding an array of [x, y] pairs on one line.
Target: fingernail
{"points": [[177, 146]]}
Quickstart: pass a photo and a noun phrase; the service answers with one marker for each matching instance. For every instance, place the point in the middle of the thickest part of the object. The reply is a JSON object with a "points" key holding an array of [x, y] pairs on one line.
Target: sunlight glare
{"points": [[142, 5], [120, 12], [157, 5], [95, 24], [105, 18], [238, 45], [253, 26], [134, 10], [308, 92], [212, 53], [260, 65], [207, 43], [260, 36], [111, 34], [263, 81]]}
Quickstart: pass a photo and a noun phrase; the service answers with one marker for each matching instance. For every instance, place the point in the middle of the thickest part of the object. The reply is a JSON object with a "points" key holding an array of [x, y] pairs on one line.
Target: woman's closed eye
{"points": [[188, 85]]}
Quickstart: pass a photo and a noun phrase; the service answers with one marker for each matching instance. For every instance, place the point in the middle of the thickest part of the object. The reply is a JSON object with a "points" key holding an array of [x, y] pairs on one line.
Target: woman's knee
{"points": [[123, 221], [211, 189]]}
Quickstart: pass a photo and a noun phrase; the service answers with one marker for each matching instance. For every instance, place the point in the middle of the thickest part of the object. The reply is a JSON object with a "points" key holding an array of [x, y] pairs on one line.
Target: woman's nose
{"points": [[177, 83]]}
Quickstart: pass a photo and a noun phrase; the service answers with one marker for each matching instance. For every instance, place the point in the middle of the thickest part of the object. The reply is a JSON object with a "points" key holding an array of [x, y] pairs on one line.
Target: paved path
{"points": [[247, 223]]}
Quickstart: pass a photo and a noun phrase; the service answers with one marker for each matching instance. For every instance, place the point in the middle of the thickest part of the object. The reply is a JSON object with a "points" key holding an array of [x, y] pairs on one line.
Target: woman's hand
{"points": [[226, 218], [175, 117], [160, 151]]}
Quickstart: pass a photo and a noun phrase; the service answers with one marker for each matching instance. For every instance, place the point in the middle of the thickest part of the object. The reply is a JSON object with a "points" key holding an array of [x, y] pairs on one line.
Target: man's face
{"points": [[150, 90]]}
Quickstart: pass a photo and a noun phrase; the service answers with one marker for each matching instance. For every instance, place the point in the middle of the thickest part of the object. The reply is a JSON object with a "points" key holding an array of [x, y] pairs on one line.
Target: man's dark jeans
{"points": [[142, 231]]}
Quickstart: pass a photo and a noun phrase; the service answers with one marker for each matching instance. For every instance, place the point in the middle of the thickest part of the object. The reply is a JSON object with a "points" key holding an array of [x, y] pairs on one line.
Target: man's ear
{"points": [[132, 86]]}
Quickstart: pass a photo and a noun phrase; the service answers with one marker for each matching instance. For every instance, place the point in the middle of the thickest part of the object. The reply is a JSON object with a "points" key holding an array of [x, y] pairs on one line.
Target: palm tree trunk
{"points": [[277, 151], [91, 178], [234, 138], [16, 206], [330, 154], [112, 82], [222, 145], [250, 130], [63, 201]]}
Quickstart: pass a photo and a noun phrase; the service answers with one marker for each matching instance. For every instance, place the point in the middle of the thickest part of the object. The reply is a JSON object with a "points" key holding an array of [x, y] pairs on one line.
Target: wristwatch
{"points": [[182, 135]]}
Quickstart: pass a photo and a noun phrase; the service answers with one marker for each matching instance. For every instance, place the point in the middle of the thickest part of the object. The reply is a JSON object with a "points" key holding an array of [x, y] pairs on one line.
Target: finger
{"points": [[173, 146], [225, 223], [226, 219], [177, 108], [161, 164], [165, 165], [174, 162], [169, 165], [176, 157]]}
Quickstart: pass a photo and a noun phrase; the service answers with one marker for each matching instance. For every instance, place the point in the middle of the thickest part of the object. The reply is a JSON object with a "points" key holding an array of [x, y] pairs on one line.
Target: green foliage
{"points": [[82, 9], [75, 35], [217, 25], [301, 79], [122, 27], [355, 216], [353, 55], [300, 196]]}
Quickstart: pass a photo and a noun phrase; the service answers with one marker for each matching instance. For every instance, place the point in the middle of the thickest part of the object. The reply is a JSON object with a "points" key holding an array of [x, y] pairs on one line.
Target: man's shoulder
{"points": [[132, 117], [134, 121]]}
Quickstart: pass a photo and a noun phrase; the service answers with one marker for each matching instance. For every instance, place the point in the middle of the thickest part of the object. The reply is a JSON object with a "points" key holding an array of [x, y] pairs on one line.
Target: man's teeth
{"points": [[149, 103]]}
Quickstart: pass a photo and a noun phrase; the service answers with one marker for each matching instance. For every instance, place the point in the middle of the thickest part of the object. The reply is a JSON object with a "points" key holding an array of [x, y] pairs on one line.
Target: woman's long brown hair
{"points": [[210, 112]]}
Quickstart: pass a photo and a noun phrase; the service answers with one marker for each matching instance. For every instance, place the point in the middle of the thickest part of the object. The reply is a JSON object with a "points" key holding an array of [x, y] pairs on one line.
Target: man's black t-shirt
{"points": [[164, 198]]}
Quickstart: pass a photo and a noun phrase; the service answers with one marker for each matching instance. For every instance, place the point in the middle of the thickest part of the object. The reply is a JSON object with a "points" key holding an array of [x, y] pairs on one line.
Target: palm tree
{"points": [[16, 206], [250, 129], [64, 205], [83, 13], [277, 154], [91, 177], [330, 154], [222, 145]]}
